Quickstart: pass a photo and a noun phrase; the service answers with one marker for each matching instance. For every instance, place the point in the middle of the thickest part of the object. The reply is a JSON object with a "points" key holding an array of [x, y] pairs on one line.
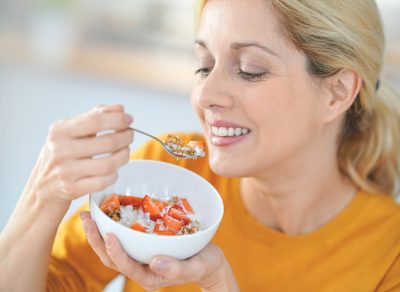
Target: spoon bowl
{"points": [[169, 149]]}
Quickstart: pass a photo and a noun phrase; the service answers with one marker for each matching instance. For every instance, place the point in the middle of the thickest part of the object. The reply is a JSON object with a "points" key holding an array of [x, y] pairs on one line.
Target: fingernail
{"points": [[128, 118], [160, 265]]}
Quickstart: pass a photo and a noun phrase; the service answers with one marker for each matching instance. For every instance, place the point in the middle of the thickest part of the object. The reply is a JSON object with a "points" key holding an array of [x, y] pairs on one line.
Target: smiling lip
{"points": [[225, 124], [226, 141]]}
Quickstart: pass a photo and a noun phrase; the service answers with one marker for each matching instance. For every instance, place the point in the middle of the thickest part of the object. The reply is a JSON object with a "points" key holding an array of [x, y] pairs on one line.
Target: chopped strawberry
{"points": [[199, 144], [165, 232], [110, 203], [171, 223], [179, 215], [149, 206], [176, 206], [157, 228], [130, 200], [160, 205], [187, 206], [138, 227]]}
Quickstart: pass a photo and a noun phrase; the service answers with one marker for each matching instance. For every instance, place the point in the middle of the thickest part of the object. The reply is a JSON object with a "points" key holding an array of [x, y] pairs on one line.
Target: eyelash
{"points": [[204, 72], [250, 77]]}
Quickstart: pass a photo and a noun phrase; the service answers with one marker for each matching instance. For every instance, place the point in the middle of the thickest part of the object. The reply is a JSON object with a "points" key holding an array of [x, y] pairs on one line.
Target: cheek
{"points": [[199, 112], [195, 105], [288, 122], [285, 125]]}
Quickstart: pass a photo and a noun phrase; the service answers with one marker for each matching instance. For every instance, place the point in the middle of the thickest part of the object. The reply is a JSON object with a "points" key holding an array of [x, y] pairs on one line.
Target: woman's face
{"points": [[257, 103]]}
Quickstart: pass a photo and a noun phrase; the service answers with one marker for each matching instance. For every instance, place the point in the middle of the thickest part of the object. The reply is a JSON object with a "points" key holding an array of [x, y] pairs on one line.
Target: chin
{"points": [[227, 167]]}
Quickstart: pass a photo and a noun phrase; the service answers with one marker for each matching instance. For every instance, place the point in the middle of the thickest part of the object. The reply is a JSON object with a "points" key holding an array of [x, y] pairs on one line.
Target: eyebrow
{"points": [[238, 46]]}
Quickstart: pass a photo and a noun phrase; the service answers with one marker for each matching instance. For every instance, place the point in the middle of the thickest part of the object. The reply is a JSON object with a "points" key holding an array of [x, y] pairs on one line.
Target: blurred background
{"points": [[59, 58]]}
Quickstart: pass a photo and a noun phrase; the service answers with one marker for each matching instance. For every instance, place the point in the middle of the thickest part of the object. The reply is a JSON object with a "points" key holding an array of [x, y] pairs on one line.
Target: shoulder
{"points": [[382, 205], [380, 219], [383, 211], [373, 234]]}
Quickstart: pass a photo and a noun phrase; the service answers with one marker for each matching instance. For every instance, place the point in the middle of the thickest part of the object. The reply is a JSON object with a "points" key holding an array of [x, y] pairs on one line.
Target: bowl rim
{"points": [[167, 237]]}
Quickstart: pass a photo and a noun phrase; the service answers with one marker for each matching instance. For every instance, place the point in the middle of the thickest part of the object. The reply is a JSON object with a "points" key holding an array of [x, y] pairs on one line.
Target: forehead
{"points": [[239, 19]]}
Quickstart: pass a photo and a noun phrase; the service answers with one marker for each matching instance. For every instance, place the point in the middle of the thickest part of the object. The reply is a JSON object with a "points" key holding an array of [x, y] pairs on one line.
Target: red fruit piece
{"points": [[157, 228], [110, 203], [187, 206], [150, 207], [165, 232], [138, 227], [171, 223], [176, 206], [179, 215], [130, 200], [160, 205]]}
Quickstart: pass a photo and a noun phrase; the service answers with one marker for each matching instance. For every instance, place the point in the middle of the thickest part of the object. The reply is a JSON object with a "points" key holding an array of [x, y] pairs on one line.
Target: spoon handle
{"points": [[147, 134]]}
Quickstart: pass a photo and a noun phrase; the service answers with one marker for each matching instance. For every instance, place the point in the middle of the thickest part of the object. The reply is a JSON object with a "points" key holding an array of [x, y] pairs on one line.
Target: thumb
{"points": [[189, 271]]}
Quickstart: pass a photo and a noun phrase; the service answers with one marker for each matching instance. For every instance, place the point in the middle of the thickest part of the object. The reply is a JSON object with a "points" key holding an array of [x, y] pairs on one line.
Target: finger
{"points": [[78, 169], [90, 123], [129, 267], [93, 184], [104, 166], [172, 269], [190, 270], [58, 128], [95, 240], [91, 146]]}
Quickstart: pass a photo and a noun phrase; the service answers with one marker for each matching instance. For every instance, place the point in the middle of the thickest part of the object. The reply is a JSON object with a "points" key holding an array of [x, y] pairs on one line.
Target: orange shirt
{"points": [[357, 251]]}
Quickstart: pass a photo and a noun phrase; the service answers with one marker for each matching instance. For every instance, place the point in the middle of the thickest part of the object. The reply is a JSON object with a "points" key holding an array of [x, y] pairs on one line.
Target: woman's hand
{"points": [[66, 168], [64, 171], [209, 268]]}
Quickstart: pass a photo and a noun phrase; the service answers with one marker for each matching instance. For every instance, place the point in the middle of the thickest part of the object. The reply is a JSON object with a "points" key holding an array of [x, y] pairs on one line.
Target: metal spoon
{"points": [[168, 148]]}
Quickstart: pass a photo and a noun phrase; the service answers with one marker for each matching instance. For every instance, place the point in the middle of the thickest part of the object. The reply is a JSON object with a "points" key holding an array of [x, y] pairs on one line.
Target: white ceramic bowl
{"points": [[140, 177]]}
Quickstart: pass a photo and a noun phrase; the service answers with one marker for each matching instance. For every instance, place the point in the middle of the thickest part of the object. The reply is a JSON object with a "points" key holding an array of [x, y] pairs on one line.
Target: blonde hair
{"points": [[336, 34]]}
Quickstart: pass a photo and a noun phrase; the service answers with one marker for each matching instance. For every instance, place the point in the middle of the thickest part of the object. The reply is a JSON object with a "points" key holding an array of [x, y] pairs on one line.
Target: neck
{"points": [[300, 202]]}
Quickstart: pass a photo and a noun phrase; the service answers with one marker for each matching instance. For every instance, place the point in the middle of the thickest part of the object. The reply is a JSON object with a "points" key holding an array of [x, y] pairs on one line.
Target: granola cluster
{"points": [[193, 148]]}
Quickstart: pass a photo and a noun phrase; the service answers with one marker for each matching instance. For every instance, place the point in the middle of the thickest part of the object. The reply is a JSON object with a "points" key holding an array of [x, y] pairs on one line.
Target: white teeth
{"points": [[230, 132], [238, 131], [222, 132]]}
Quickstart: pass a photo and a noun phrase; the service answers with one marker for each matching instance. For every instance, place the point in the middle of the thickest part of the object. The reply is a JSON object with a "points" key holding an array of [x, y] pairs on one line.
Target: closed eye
{"points": [[203, 72], [252, 77]]}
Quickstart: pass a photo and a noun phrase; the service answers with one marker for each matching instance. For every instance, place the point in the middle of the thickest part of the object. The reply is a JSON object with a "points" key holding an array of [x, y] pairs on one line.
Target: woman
{"points": [[302, 146]]}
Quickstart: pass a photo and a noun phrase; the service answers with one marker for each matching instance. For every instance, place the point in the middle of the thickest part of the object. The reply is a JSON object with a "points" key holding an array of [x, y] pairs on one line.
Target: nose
{"points": [[213, 92]]}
